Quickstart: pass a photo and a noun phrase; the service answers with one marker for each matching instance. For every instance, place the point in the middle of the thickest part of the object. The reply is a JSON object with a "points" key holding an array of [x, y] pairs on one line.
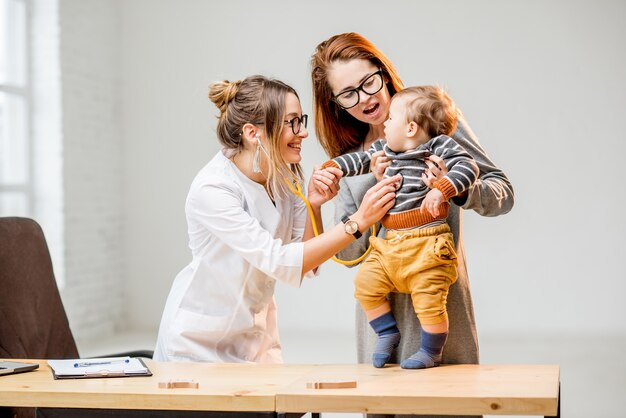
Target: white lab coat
{"points": [[221, 307]]}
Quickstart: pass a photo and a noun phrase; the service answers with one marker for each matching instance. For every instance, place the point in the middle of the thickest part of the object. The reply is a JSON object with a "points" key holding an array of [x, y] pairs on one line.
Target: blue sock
{"points": [[388, 338], [429, 354]]}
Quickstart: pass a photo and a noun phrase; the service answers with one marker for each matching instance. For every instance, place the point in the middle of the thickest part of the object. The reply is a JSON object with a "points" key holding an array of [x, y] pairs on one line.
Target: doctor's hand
{"points": [[323, 185], [377, 201]]}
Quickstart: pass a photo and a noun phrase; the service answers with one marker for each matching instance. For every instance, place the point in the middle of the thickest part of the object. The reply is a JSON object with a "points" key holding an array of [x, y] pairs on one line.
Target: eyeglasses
{"points": [[297, 122], [371, 85]]}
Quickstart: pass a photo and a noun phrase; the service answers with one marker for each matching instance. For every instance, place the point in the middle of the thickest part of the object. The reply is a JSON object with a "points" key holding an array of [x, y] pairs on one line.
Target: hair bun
{"points": [[221, 93]]}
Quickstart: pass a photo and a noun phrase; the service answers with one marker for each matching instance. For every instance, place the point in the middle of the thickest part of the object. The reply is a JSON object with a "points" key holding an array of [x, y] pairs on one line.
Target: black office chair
{"points": [[33, 323]]}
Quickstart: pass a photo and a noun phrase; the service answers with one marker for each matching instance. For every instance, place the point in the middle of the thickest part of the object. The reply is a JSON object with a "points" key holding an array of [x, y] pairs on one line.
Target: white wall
{"points": [[46, 129], [542, 84], [86, 45]]}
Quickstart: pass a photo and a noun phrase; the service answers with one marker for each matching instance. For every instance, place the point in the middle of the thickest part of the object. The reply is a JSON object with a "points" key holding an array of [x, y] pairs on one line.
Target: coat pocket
{"points": [[195, 336]]}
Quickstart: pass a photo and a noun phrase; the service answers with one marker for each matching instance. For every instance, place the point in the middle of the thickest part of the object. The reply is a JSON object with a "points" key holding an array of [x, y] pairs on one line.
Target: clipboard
{"points": [[99, 368]]}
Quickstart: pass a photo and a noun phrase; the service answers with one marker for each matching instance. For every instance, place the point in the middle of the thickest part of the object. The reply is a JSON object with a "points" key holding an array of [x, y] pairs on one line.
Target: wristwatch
{"points": [[351, 227]]}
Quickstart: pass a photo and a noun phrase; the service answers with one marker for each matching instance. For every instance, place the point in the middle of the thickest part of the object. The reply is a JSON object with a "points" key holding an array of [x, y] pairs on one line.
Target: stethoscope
{"points": [[297, 190]]}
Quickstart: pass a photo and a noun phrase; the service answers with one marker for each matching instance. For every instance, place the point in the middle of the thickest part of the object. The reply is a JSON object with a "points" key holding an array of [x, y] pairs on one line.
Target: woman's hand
{"points": [[376, 202], [323, 185], [436, 170], [379, 164]]}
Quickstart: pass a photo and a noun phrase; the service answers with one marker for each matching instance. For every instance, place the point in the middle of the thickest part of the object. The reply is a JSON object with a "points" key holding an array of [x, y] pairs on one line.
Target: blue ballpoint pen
{"points": [[99, 363]]}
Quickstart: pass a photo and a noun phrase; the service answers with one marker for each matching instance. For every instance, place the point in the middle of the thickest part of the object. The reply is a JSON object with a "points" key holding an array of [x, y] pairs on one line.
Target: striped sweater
{"points": [[462, 173]]}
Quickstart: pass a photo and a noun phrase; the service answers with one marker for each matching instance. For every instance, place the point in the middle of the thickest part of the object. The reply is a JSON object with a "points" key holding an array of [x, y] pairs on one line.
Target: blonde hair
{"points": [[336, 130], [431, 108], [260, 101]]}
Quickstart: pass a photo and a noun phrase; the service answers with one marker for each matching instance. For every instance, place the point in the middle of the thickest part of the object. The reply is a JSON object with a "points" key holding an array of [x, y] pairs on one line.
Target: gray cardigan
{"points": [[490, 195]]}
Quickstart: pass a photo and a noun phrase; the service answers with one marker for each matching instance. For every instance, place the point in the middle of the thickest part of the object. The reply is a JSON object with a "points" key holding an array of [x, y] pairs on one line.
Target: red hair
{"points": [[336, 130]]}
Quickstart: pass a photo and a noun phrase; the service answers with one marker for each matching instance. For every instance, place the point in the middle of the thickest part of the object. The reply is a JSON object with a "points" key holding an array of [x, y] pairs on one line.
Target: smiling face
{"points": [[290, 143], [346, 75]]}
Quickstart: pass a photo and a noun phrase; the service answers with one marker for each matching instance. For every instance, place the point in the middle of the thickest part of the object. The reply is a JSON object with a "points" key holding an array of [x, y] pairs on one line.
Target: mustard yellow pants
{"points": [[420, 262]]}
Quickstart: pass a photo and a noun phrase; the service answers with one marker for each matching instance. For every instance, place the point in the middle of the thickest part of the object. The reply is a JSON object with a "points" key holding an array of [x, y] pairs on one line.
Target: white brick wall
{"points": [[46, 129], [92, 168], [81, 155]]}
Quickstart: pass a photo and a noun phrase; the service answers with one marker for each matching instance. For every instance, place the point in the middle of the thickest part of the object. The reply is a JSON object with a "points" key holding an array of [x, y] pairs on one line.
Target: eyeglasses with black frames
{"points": [[371, 85], [297, 122]]}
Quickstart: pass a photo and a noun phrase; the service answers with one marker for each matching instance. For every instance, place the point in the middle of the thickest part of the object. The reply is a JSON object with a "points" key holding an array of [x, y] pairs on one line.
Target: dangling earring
{"points": [[256, 161]]}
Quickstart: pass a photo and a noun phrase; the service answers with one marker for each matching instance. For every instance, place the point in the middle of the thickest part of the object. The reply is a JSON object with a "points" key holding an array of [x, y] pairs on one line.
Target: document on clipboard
{"points": [[98, 367]]}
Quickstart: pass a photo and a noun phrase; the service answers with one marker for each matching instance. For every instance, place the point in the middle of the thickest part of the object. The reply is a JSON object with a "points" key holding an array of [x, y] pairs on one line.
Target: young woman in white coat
{"points": [[247, 230]]}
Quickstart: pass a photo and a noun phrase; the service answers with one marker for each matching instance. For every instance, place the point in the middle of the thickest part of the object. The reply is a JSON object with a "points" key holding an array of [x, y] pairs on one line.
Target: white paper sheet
{"points": [[98, 366]]}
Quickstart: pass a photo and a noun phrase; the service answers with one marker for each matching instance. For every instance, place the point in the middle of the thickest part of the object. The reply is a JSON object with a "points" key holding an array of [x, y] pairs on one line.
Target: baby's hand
{"points": [[379, 164], [324, 184], [432, 201]]}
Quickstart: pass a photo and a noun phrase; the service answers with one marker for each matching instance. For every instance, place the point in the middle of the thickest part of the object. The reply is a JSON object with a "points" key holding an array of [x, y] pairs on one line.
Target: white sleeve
{"points": [[220, 209], [299, 219], [300, 216]]}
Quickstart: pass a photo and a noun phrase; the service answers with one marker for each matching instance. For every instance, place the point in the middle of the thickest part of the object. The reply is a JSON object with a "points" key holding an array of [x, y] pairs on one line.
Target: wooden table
{"points": [[459, 389], [445, 390]]}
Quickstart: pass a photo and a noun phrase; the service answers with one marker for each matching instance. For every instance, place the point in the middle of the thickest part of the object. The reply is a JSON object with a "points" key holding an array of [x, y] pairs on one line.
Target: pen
{"points": [[99, 363]]}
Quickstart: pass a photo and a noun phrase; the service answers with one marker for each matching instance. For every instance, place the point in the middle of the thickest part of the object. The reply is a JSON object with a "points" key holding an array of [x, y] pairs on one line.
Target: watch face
{"points": [[351, 227]]}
